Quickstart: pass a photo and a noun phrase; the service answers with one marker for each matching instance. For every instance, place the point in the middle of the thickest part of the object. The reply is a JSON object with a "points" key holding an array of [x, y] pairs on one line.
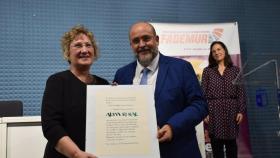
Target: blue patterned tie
{"points": [[144, 78]]}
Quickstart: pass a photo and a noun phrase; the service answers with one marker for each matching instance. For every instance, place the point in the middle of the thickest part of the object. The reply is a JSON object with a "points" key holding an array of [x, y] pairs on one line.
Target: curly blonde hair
{"points": [[69, 36]]}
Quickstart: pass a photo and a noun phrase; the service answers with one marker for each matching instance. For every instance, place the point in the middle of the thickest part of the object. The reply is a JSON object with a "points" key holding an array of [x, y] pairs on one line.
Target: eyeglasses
{"points": [[80, 45]]}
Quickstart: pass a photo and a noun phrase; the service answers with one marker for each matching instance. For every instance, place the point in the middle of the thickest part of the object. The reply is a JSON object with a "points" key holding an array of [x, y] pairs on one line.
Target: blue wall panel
{"points": [[31, 32]]}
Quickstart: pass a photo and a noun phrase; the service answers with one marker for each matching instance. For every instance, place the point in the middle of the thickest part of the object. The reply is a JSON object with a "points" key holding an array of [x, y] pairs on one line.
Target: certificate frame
{"points": [[121, 121]]}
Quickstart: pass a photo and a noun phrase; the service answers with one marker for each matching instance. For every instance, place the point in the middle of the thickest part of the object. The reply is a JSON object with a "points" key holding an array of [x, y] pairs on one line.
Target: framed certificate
{"points": [[121, 122]]}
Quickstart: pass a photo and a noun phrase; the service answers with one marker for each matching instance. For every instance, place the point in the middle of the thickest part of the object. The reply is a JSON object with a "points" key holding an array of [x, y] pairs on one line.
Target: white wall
{"points": [[21, 137]]}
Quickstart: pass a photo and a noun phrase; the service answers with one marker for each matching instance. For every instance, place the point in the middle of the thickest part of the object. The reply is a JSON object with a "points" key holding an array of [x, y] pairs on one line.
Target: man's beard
{"points": [[148, 58]]}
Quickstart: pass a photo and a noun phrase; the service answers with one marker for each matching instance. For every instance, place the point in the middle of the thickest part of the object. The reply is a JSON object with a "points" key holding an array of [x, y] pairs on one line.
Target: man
{"points": [[178, 98]]}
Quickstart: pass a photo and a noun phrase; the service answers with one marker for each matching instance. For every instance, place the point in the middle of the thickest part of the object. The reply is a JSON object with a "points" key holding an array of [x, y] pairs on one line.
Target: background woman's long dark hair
{"points": [[213, 62]]}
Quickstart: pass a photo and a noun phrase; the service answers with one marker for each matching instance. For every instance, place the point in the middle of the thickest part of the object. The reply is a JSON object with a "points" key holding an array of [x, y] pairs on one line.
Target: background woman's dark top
{"points": [[225, 99], [64, 110]]}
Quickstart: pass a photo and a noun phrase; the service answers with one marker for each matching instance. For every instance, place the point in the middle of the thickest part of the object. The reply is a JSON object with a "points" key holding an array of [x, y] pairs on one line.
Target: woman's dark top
{"points": [[226, 98], [64, 110]]}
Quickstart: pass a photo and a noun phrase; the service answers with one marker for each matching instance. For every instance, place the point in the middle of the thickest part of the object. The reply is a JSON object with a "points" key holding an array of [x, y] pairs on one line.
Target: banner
{"points": [[192, 42]]}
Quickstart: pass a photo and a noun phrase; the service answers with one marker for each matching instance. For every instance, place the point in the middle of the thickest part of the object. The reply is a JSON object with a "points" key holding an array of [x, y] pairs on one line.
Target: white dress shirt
{"points": [[152, 75]]}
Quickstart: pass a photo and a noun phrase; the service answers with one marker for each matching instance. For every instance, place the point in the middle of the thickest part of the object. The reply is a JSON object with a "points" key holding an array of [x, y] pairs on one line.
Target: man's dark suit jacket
{"points": [[179, 102]]}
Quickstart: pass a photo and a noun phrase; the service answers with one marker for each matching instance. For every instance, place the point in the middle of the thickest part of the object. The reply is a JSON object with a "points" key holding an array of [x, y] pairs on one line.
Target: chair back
{"points": [[11, 108]]}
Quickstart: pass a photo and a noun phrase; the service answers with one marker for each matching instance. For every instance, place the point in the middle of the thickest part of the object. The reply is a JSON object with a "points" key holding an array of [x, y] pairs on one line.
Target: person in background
{"points": [[179, 102], [226, 101], [64, 101]]}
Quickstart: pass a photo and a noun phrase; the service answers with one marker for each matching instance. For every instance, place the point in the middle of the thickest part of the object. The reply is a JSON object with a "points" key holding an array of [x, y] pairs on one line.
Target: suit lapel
{"points": [[131, 73], [162, 73]]}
